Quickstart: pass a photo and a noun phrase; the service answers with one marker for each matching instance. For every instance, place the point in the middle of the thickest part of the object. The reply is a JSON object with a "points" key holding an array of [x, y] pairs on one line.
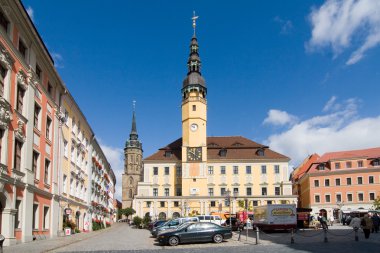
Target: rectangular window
{"points": [[176, 204], [167, 192], [360, 180], [222, 191], [321, 167], [376, 163], [194, 108], [35, 216], [1, 141], [72, 187], [337, 181], [263, 169], [155, 192], [66, 148], [166, 170], [212, 203], [50, 89], [46, 217], [20, 99], [162, 203], [317, 199], [35, 162], [360, 197], [349, 197], [37, 111], [22, 48], [3, 73], [337, 166], [64, 183], [223, 170], [277, 169], [249, 191], [277, 191], [210, 170], [179, 192], [178, 171], [327, 182], [48, 128], [3, 21], [371, 180], [236, 170], [371, 196], [338, 198], [248, 169], [316, 183], [155, 171], [327, 198], [360, 164], [348, 181], [264, 191], [38, 71], [211, 191], [255, 203], [47, 169], [348, 164], [18, 214], [269, 202], [17, 156], [148, 204], [236, 191]]}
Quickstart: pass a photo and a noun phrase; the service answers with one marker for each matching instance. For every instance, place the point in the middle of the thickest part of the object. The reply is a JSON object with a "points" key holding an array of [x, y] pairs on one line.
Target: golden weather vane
{"points": [[194, 18]]}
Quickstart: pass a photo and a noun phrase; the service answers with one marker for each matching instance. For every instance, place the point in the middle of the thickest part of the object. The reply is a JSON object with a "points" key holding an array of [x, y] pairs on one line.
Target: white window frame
{"points": [[46, 219]]}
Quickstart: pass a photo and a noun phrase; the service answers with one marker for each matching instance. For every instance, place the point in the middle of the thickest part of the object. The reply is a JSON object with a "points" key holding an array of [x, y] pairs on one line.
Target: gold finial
{"points": [[194, 18]]}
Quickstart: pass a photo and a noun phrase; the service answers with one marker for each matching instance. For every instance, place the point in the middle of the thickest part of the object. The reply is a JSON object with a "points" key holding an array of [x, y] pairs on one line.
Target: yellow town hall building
{"points": [[196, 173]]}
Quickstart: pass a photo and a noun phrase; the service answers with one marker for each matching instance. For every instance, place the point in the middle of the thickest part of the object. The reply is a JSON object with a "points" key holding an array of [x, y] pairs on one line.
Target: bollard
{"points": [[257, 235], [325, 235], [292, 236], [356, 234]]}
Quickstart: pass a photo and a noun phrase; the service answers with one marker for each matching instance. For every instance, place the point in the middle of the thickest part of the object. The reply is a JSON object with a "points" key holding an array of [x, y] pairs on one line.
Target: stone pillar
{"points": [[8, 225], [169, 209], [201, 207], [27, 215]]}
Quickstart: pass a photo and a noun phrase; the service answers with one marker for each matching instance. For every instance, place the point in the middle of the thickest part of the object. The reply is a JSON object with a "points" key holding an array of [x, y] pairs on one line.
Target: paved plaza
{"points": [[121, 237]]}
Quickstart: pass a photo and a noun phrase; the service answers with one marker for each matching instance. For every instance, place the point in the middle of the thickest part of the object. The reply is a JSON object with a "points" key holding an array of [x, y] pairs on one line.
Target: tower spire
{"points": [[133, 141], [194, 18]]}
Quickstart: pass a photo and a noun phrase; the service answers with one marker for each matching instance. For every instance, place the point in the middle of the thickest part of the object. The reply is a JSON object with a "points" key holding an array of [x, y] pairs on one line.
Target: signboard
{"points": [[67, 231], [68, 211]]}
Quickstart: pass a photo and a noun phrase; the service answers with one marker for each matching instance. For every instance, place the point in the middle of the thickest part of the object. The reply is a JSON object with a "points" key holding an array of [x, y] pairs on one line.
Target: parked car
{"points": [[172, 224], [210, 218], [155, 224], [195, 232]]}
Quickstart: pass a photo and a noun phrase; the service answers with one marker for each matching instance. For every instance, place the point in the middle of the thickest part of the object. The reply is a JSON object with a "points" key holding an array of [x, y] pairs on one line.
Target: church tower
{"points": [[194, 125], [133, 166]]}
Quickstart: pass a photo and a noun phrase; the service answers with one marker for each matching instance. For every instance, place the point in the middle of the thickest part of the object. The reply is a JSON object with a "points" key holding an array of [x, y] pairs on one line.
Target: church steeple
{"points": [[133, 141]]}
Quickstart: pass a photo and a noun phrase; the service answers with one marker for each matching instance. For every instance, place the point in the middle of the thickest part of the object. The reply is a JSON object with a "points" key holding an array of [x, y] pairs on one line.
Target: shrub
{"points": [[77, 231], [137, 221]]}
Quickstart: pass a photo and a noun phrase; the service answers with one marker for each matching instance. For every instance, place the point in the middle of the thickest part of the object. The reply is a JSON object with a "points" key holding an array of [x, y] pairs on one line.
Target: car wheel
{"points": [[173, 241], [218, 238]]}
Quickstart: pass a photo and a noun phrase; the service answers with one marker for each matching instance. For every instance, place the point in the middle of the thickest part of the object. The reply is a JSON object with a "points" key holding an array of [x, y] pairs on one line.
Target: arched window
{"points": [[131, 181]]}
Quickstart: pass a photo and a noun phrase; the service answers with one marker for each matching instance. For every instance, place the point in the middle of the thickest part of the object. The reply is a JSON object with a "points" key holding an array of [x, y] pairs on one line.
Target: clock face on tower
{"points": [[194, 154]]}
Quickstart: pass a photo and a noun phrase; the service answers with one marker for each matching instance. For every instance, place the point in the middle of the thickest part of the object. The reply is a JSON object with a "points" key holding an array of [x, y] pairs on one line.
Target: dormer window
{"points": [[260, 152], [168, 154], [213, 145], [376, 162], [237, 144], [321, 167], [223, 152]]}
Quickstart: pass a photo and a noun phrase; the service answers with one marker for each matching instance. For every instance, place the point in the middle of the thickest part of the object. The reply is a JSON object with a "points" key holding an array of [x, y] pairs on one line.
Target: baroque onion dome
{"points": [[133, 141], [194, 79]]}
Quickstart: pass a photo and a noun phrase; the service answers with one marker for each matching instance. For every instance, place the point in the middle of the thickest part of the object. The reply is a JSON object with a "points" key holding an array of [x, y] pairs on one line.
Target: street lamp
{"points": [[228, 195]]}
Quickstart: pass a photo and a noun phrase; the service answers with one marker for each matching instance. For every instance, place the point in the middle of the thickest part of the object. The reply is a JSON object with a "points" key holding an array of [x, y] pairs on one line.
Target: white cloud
{"points": [[339, 22], [58, 60], [279, 118], [115, 157], [30, 12], [340, 130]]}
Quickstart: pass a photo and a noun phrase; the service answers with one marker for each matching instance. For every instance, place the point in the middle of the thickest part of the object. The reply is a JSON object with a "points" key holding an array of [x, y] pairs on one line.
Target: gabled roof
{"points": [[237, 147], [305, 165]]}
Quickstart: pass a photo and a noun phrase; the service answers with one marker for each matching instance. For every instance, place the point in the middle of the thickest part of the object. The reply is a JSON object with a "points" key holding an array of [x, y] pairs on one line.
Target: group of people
{"points": [[367, 223]]}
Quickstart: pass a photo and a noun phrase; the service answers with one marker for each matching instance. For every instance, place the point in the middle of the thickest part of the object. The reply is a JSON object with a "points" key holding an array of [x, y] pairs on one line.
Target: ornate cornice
{"points": [[5, 57], [5, 113], [32, 77]]}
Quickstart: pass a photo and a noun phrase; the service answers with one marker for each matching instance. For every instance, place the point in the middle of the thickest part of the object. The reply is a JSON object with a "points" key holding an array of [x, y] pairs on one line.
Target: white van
{"points": [[210, 218]]}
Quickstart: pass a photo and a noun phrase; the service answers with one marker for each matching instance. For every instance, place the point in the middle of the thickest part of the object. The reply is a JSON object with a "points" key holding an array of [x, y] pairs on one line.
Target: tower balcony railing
{"points": [[195, 99]]}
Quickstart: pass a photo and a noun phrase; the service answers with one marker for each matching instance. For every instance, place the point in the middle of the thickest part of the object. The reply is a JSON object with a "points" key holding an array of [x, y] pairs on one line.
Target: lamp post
{"points": [[340, 204], [228, 196]]}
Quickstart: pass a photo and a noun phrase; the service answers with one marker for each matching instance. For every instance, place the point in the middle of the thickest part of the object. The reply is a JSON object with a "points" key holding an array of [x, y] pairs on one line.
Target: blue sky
{"points": [[300, 76]]}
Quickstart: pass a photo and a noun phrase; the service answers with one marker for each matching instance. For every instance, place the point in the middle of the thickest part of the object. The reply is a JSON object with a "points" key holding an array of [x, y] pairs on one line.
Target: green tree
{"points": [[128, 211], [146, 220], [137, 221], [376, 203]]}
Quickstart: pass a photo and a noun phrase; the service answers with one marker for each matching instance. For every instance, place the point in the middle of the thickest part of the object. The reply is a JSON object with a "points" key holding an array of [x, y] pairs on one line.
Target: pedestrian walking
{"points": [[331, 220], [355, 222], [366, 224], [376, 222], [324, 222]]}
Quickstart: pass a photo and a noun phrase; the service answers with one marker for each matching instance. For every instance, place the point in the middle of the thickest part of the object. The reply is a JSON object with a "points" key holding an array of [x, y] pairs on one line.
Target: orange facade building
{"points": [[338, 182]]}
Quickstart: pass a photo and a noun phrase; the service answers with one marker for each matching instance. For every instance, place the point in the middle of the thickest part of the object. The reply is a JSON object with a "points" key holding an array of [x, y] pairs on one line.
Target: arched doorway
{"points": [[323, 212], [162, 216], [77, 220], [147, 214], [176, 215]]}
